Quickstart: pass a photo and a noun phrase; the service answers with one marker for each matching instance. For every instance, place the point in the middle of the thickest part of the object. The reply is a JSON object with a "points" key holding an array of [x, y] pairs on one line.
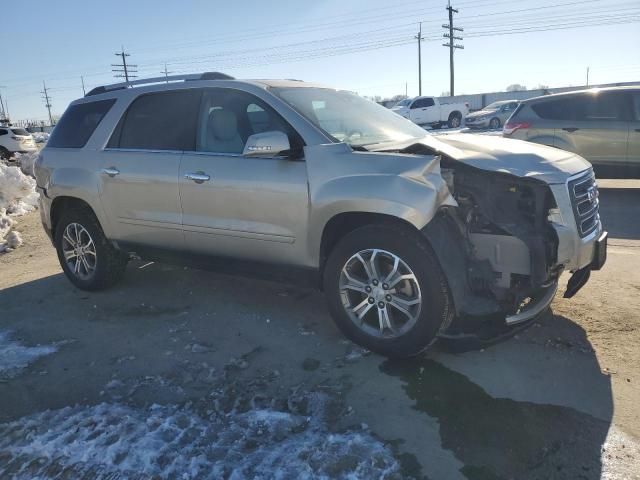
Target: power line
{"points": [[123, 70]]}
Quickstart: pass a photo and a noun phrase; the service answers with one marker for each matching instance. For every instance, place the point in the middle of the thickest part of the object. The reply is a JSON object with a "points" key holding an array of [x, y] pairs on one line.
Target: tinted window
{"points": [[636, 105], [20, 131], [229, 117], [423, 103], [509, 107], [606, 106], [159, 121], [3, 132], [78, 124]]}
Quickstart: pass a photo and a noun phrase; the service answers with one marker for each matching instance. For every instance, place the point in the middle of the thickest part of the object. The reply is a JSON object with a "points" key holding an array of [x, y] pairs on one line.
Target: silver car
{"points": [[601, 124], [492, 116], [411, 237]]}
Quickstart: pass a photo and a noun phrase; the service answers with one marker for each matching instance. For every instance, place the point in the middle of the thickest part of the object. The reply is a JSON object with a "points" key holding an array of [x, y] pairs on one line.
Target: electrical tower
{"points": [[122, 70], [451, 44], [166, 73], [47, 101], [420, 39]]}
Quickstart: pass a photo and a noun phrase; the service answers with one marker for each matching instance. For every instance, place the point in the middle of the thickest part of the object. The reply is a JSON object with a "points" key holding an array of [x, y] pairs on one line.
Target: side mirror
{"points": [[266, 144]]}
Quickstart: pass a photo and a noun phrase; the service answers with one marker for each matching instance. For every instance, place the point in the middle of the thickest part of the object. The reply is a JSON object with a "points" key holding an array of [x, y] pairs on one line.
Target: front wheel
{"points": [[455, 120], [88, 259], [494, 124], [386, 291]]}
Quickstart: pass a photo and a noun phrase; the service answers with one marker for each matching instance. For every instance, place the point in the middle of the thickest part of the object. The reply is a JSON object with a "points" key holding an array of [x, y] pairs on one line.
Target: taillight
{"points": [[511, 127]]}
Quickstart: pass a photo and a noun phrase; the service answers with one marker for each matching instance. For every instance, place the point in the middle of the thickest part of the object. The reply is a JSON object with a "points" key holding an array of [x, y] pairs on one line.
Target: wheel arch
{"points": [[344, 223], [64, 202]]}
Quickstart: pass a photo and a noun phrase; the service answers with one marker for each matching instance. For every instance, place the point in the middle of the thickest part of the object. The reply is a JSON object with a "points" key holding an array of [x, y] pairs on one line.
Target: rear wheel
{"points": [[386, 291], [455, 120], [88, 259], [494, 124]]}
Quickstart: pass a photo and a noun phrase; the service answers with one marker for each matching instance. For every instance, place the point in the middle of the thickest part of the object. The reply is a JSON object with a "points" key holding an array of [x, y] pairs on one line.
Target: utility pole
{"points": [[166, 73], [587, 76], [420, 39], [83, 90], [47, 101], [3, 112], [452, 45], [122, 70]]}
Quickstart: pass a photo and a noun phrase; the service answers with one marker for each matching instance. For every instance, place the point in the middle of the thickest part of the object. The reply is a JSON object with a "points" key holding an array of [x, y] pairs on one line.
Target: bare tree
{"points": [[516, 87]]}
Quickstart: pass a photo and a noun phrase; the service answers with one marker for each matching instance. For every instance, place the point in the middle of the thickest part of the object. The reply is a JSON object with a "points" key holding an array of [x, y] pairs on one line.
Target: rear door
{"points": [[595, 126], [245, 207], [139, 168]]}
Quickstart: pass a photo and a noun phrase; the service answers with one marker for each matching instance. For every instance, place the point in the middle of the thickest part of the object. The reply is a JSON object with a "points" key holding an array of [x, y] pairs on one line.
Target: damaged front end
{"points": [[499, 247]]}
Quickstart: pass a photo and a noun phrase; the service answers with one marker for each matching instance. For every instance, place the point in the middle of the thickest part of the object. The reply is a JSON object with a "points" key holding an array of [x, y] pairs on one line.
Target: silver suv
{"points": [[411, 237], [601, 124]]}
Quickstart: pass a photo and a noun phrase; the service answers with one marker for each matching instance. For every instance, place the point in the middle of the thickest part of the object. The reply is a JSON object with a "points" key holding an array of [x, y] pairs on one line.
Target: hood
{"points": [[515, 157], [505, 155], [481, 113]]}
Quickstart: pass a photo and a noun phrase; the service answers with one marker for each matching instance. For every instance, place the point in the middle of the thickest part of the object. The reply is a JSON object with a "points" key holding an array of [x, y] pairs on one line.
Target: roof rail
{"points": [[170, 78]]}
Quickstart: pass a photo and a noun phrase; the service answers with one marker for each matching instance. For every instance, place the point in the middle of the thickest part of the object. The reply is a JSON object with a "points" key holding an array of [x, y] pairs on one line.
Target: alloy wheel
{"points": [[380, 293], [79, 251]]}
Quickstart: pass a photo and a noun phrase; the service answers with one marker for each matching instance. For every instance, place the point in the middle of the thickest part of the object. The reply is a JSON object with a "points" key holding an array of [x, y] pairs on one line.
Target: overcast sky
{"points": [[361, 45]]}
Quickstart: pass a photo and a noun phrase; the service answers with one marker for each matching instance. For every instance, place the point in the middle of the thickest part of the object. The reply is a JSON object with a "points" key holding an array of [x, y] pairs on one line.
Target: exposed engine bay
{"points": [[502, 227]]}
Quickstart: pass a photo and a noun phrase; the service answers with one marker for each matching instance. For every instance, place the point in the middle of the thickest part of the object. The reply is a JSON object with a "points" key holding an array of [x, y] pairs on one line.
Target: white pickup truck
{"points": [[429, 111]]}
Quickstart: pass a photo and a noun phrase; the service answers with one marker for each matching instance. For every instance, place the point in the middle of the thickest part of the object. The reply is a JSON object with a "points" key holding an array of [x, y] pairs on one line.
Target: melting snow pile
{"points": [[17, 196], [14, 356], [26, 162], [113, 441]]}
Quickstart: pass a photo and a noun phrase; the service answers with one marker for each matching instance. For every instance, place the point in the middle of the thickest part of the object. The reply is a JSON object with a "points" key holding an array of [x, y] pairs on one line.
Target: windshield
{"points": [[493, 106], [19, 131], [348, 118], [403, 103]]}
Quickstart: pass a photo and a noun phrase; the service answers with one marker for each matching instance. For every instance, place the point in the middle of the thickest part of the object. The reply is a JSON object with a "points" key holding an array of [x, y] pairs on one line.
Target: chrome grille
{"points": [[584, 200]]}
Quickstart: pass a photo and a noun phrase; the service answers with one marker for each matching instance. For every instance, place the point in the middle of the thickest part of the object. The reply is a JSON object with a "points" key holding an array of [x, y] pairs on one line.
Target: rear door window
{"points": [[159, 121], [78, 123]]}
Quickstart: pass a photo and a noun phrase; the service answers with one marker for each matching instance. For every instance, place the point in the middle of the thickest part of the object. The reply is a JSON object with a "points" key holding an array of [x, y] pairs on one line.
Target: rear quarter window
{"points": [[78, 124]]}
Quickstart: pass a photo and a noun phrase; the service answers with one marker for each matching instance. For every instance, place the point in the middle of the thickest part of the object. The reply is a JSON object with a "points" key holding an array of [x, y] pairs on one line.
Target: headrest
{"points": [[223, 124]]}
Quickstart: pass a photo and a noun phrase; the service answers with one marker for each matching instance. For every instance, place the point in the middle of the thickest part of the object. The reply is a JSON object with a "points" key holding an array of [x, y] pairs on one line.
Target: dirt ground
{"points": [[184, 372]]}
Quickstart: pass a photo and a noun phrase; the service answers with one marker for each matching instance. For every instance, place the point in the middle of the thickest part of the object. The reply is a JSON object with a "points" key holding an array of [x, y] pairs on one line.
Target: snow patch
{"points": [[119, 441], [14, 357], [26, 161], [18, 196]]}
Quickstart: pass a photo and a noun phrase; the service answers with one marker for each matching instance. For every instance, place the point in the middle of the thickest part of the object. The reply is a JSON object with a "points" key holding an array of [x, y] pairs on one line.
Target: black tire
{"points": [[455, 120], [436, 311], [5, 154], [110, 263], [494, 124]]}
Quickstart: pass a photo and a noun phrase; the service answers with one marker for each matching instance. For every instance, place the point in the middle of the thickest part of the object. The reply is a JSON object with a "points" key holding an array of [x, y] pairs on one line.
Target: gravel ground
{"points": [[247, 378]]}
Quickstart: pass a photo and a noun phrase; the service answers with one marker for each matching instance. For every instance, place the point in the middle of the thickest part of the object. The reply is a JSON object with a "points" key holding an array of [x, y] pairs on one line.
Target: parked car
{"points": [[15, 140], [492, 116], [429, 111], [411, 237], [602, 125]]}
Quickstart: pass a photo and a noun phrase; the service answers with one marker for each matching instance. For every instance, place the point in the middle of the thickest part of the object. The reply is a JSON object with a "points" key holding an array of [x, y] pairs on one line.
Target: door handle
{"points": [[198, 177], [111, 171], [571, 129]]}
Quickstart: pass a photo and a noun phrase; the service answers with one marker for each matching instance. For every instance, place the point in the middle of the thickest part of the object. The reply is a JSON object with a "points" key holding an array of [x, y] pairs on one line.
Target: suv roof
{"points": [[206, 76], [578, 92]]}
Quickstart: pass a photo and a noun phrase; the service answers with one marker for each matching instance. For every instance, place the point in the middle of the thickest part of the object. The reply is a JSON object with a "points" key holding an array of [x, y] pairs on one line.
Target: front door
{"points": [[140, 166], [236, 206]]}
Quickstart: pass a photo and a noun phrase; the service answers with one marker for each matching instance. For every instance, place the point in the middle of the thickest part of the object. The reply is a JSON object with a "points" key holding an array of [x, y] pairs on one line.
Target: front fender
{"points": [[407, 187]]}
